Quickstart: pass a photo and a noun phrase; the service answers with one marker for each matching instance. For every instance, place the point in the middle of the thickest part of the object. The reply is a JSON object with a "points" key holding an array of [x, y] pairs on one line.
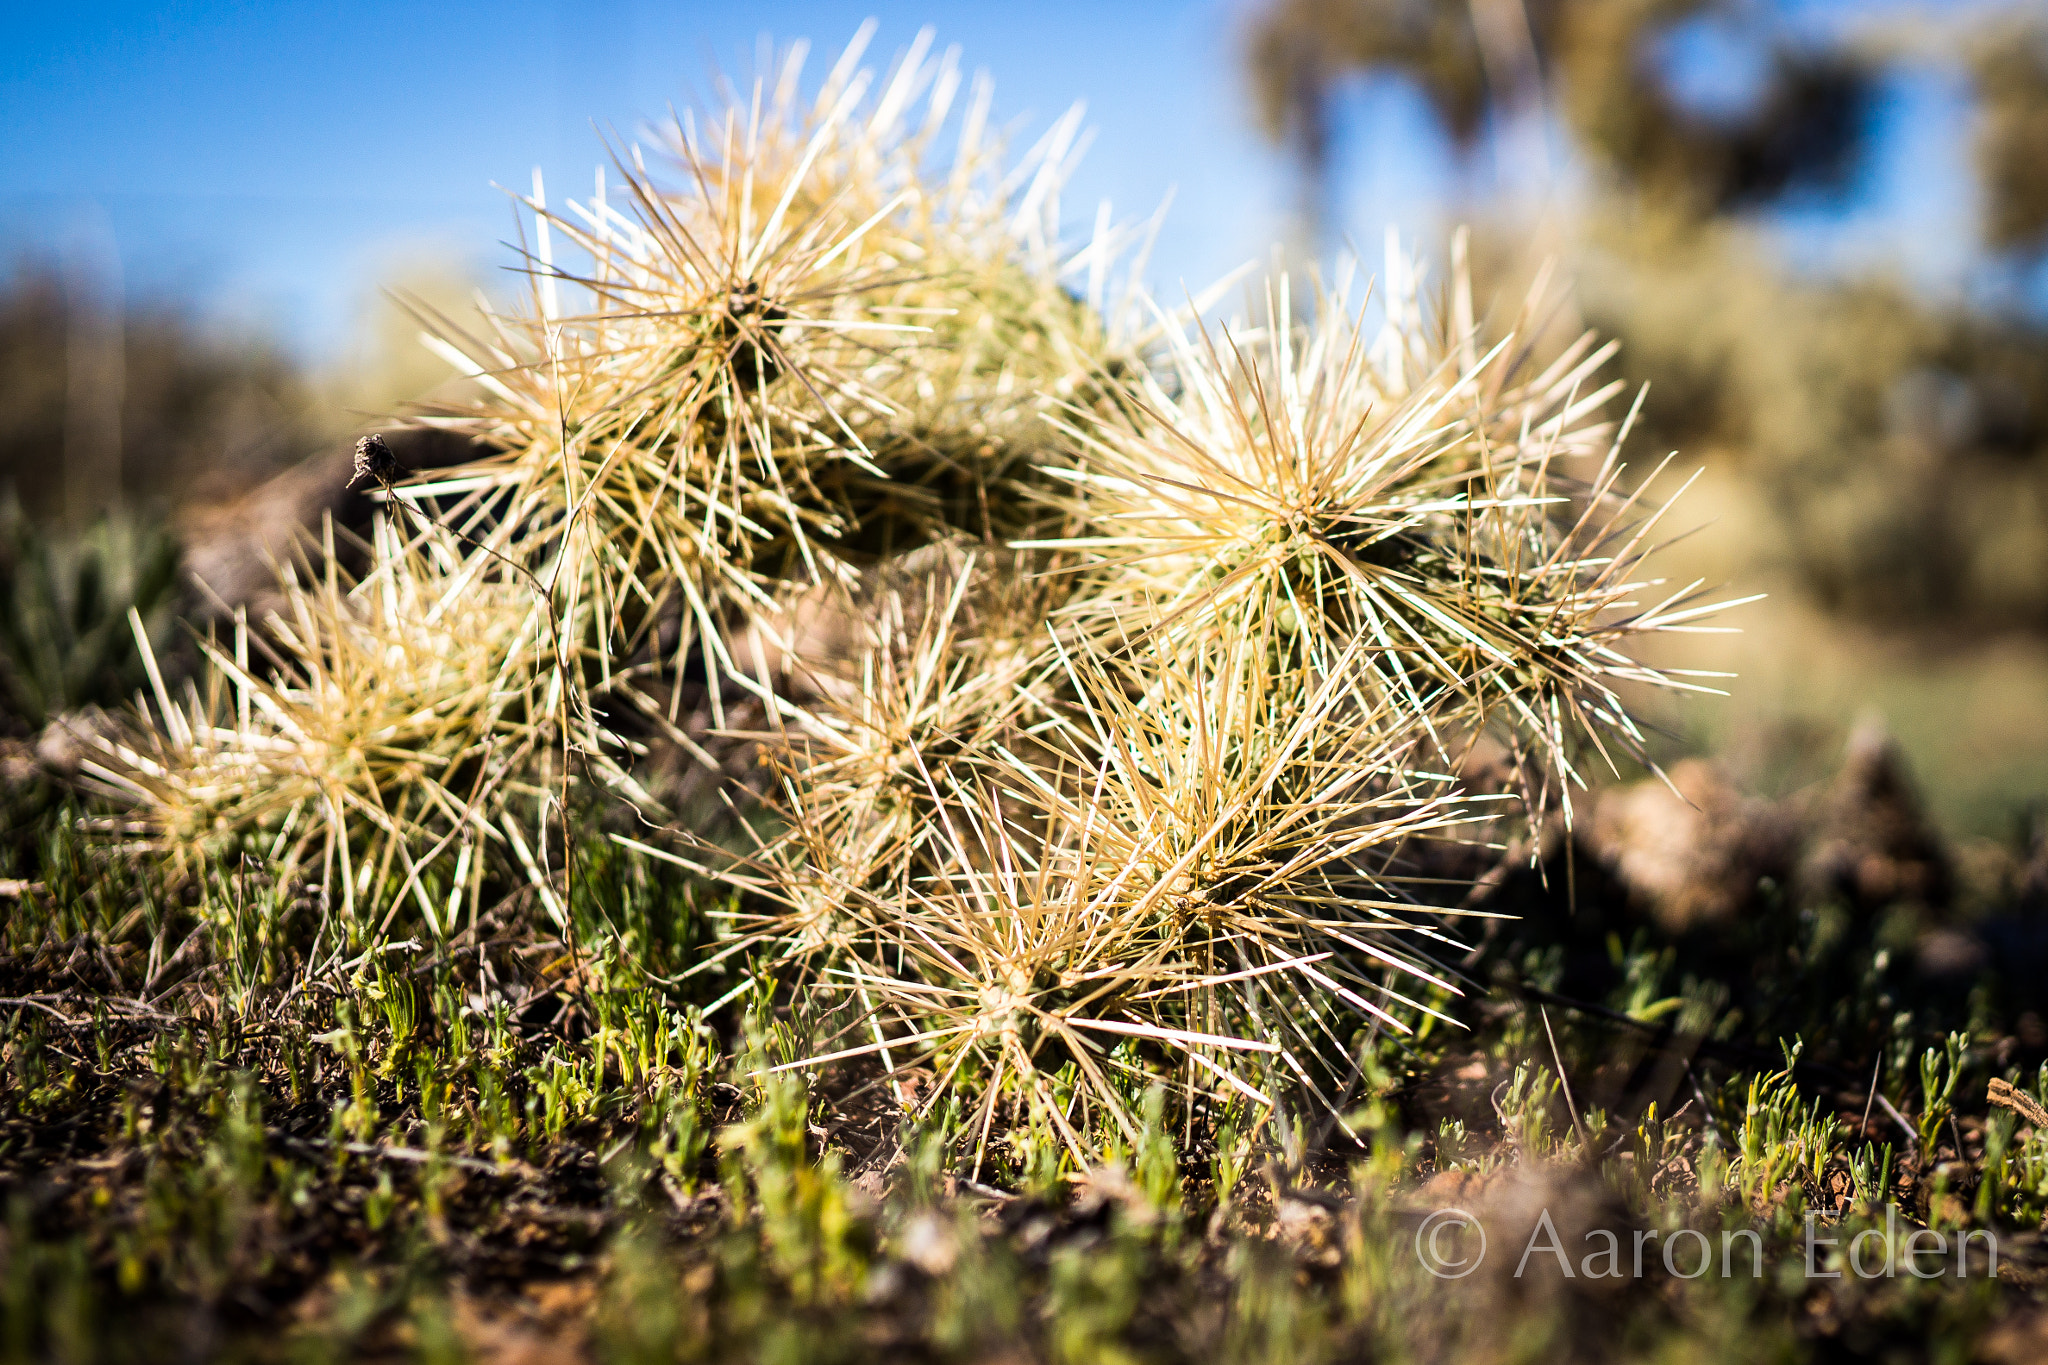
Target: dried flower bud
{"points": [[374, 461]]}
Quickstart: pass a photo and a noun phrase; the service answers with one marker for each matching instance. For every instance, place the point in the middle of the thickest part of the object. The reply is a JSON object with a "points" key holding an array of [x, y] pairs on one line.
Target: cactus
{"points": [[1156, 646]]}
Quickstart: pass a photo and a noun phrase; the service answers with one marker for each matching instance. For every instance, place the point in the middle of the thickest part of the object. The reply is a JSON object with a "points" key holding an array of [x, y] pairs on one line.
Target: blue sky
{"points": [[271, 160], [272, 163]]}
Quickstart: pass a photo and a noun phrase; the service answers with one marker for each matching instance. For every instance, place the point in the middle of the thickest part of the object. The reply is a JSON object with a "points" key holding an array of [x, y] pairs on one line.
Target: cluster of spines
{"points": [[1151, 650]]}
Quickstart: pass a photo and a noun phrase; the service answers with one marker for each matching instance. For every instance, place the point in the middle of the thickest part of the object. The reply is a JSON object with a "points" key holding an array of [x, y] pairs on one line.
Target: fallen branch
{"points": [[2008, 1096]]}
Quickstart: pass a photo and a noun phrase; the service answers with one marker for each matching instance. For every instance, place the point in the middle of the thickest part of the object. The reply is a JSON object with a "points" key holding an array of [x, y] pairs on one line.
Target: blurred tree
{"points": [[1903, 441], [1478, 62], [173, 418], [197, 415], [2011, 68]]}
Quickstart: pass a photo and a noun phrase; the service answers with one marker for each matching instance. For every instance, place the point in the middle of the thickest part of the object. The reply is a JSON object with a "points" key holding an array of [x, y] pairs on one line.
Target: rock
{"points": [[232, 546], [2031, 894], [929, 1244], [1872, 845], [1950, 955], [1692, 856], [1552, 1235], [802, 644], [68, 739], [19, 765], [2020, 1339]]}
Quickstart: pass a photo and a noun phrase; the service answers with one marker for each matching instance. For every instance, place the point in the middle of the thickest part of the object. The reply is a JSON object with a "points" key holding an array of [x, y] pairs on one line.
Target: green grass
{"points": [[439, 1151]]}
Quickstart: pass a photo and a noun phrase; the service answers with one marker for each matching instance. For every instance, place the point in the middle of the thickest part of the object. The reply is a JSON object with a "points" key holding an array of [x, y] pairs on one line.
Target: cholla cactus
{"points": [[1312, 566], [1405, 510], [814, 347], [937, 687], [1189, 858], [931, 689], [404, 715], [1126, 798]]}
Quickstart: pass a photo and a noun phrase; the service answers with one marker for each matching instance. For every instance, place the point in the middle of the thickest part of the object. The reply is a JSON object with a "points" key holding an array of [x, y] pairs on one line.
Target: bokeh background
{"points": [[1819, 229]]}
